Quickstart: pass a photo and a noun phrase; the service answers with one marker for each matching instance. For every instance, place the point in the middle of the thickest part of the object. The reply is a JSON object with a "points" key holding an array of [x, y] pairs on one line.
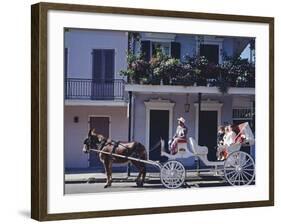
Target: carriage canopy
{"points": [[245, 130]]}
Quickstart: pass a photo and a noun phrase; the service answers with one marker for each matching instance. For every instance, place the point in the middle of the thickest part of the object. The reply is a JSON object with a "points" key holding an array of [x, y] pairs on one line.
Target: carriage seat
{"points": [[197, 149], [182, 140], [182, 145]]}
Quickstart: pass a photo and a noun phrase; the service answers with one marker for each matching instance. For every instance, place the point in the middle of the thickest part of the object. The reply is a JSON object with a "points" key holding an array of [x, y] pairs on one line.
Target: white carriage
{"points": [[237, 169]]}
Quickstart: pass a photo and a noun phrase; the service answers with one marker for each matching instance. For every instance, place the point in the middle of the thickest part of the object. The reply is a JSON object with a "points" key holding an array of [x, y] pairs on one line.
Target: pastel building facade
{"points": [[96, 95]]}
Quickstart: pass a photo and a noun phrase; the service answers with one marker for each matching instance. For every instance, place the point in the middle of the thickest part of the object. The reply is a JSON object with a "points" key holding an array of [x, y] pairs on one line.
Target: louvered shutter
{"points": [[109, 64], [175, 50], [145, 49], [97, 64]]}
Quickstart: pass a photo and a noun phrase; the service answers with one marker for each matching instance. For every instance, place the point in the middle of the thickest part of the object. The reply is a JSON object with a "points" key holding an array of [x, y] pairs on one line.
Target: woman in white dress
{"points": [[228, 139]]}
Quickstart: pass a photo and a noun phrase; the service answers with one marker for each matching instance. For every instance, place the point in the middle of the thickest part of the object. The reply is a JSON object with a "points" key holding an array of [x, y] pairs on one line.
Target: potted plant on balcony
{"points": [[138, 70], [198, 65], [223, 80], [168, 69], [246, 76], [155, 77], [241, 72], [183, 75]]}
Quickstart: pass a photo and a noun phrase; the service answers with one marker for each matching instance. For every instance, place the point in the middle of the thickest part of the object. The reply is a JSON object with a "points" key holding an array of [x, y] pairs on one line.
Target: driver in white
{"points": [[181, 133]]}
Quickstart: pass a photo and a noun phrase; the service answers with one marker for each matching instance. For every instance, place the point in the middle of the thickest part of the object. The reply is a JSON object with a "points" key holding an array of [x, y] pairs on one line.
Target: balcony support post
{"points": [[199, 113], [129, 127]]}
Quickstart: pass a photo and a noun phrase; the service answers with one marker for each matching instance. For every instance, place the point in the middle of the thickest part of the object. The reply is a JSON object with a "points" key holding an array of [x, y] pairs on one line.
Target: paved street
{"points": [[123, 184], [99, 187]]}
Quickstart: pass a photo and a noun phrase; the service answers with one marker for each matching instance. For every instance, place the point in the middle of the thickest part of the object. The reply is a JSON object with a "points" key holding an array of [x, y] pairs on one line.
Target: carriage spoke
{"points": [[233, 171], [229, 168], [250, 174], [238, 179], [233, 178], [244, 175], [248, 165], [242, 179], [237, 175], [246, 162], [241, 159]]}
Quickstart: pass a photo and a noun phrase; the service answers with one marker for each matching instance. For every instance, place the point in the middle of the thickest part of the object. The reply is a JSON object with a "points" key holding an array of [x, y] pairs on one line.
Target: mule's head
{"points": [[101, 139], [85, 148], [93, 142]]}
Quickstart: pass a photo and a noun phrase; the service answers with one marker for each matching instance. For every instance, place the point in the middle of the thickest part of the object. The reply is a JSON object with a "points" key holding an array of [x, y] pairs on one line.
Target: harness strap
{"points": [[102, 145], [115, 145]]}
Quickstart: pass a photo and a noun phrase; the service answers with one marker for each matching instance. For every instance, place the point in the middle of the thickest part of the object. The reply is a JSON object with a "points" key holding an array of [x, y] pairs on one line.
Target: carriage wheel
{"points": [[239, 168], [172, 174]]}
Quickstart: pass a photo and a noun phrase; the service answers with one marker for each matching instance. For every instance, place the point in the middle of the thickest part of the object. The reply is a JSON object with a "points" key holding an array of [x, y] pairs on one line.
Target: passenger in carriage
{"points": [[220, 141], [228, 139], [230, 136], [180, 134], [220, 136]]}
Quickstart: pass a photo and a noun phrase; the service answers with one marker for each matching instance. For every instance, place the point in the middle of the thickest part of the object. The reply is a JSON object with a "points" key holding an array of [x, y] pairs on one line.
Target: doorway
{"points": [[207, 135], [158, 128], [101, 124]]}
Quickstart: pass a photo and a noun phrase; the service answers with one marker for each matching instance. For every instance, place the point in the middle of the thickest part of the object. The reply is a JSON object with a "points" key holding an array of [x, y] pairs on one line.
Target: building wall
{"points": [[80, 44], [75, 133], [179, 111], [139, 129], [228, 45], [188, 45]]}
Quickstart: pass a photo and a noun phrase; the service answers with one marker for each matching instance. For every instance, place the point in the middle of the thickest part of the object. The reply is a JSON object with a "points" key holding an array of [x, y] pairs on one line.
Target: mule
{"points": [[129, 149]]}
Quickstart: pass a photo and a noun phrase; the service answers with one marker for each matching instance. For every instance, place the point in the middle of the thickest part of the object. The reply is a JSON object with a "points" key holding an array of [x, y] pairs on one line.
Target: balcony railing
{"points": [[92, 89]]}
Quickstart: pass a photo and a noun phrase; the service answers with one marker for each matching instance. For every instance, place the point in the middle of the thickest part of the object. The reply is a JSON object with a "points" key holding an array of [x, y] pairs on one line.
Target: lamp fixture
{"points": [[187, 105]]}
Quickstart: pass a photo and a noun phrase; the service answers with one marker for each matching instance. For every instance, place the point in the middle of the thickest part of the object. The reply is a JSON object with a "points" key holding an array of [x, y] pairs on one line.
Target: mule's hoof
{"points": [[139, 183], [107, 185]]}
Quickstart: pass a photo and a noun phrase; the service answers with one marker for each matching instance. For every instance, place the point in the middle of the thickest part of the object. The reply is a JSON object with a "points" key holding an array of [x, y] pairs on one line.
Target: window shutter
{"points": [[65, 62], [97, 64], [145, 49], [211, 52], [109, 64], [175, 50]]}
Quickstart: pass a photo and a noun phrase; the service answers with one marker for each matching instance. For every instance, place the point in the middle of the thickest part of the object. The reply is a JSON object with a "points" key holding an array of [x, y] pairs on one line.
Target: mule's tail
{"points": [[144, 157]]}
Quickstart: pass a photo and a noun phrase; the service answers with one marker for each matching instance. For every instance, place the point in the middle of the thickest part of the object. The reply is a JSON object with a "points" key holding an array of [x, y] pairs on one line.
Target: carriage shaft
{"points": [[129, 158]]}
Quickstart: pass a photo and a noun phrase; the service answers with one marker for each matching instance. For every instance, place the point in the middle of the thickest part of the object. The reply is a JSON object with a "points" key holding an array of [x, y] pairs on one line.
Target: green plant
{"points": [[222, 85], [168, 69], [223, 81], [137, 70], [234, 71]]}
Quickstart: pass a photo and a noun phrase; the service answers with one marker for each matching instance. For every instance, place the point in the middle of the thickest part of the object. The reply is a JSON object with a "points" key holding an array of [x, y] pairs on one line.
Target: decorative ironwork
{"points": [[242, 113], [94, 89]]}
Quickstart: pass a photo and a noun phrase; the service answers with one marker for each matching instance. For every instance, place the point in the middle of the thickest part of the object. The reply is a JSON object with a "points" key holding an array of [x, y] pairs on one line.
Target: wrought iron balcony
{"points": [[93, 89]]}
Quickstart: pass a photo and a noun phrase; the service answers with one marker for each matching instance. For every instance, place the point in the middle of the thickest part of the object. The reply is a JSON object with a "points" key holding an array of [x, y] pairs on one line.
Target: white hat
{"points": [[181, 119]]}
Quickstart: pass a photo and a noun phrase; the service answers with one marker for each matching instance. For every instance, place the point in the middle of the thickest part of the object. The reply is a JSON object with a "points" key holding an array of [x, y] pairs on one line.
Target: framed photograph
{"points": [[139, 111]]}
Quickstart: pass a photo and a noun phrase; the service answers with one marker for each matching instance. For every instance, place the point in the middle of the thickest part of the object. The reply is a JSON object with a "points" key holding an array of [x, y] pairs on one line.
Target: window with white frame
{"points": [[165, 47]]}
